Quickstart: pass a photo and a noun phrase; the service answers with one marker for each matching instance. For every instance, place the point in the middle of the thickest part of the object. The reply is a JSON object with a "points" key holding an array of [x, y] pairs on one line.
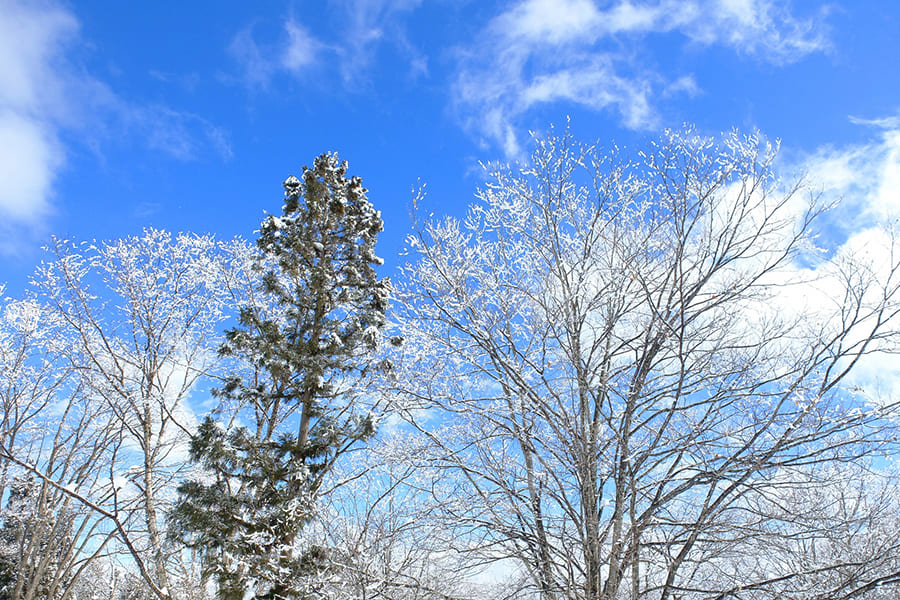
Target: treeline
{"points": [[619, 376]]}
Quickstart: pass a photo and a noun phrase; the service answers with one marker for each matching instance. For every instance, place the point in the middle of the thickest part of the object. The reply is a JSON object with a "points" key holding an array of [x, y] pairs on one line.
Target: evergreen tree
{"points": [[324, 312]]}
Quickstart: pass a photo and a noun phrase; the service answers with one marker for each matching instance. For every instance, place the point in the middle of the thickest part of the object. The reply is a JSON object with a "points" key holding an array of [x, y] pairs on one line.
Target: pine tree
{"points": [[325, 312]]}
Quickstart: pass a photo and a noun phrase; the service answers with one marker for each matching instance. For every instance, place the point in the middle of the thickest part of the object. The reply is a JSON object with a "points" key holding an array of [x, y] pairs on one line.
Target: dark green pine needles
{"points": [[313, 330]]}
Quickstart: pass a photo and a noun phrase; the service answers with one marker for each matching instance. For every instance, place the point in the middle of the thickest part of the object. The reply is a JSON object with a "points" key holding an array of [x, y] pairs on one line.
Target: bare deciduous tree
{"points": [[383, 540], [137, 325], [615, 359], [47, 540]]}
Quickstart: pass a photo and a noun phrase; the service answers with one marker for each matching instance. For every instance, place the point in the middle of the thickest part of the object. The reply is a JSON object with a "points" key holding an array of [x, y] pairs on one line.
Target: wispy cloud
{"points": [[256, 69], [549, 22], [365, 26], [370, 24], [294, 51], [302, 48], [865, 176], [183, 135], [545, 51], [761, 28]]}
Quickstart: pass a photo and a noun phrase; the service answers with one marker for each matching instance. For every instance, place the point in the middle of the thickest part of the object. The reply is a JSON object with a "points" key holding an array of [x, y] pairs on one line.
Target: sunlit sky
{"points": [[116, 116]]}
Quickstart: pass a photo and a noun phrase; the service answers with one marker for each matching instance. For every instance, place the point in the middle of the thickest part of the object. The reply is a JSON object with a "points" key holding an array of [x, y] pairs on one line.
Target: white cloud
{"points": [[364, 27], [686, 84], [553, 21], [296, 52], [368, 24], [32, 40], [625, 16], [540, 52], [182, 135], [29, 158], [861, 238], [866, 176], [256, 67], [45, 94], [302, 48], [760, 28]]}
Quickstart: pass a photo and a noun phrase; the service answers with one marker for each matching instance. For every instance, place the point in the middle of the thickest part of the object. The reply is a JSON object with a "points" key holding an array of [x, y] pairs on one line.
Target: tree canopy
{"points": [[621, 375]]}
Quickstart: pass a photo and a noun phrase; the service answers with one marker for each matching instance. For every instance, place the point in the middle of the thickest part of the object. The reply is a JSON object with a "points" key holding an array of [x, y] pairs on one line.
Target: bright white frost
{"points": [[124, 333], [617, 357]]}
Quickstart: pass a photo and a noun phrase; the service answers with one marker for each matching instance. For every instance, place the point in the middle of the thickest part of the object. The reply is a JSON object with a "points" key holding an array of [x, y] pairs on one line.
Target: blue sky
{"points": [[115, 116]]}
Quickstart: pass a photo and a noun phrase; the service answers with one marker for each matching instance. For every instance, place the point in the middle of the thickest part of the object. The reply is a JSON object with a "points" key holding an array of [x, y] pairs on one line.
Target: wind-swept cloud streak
{"points": [[543, 51], [294, 49], [864, 177], [371, 23]]}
